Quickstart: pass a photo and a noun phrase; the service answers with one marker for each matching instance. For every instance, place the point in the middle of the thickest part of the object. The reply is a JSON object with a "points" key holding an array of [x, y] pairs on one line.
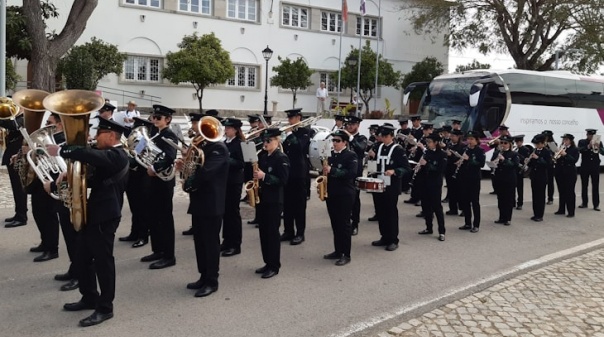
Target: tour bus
{"points": [[528, 102]]}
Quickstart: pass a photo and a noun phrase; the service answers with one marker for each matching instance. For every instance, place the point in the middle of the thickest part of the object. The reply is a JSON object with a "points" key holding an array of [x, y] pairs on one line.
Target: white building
{"points": [[147, 29]]}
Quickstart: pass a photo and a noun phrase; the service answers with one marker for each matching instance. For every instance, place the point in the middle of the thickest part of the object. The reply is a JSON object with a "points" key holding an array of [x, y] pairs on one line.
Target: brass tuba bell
{"points": [[209, 129]]}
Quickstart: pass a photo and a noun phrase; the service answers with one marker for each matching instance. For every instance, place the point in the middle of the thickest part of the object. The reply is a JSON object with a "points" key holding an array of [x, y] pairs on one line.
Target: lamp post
{"points": [[267, 53], [352, 62]]}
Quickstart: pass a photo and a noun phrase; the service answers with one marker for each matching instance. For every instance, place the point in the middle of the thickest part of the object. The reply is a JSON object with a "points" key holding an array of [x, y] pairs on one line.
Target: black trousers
{"points": [[338, 207], [594, 174], [453, 193], [387, 212], [416, 189], [375, 198], [470, 201], [206, 234], [269, 218], [294, 206], [355, 216], [71, 238], [95, 261], [44, 209], [432, 206], [505, 198], [231, 231], [566, 178], [550, 183], [538, 186], [137, 194], [520, 189], [19, 195], [161, 220]]}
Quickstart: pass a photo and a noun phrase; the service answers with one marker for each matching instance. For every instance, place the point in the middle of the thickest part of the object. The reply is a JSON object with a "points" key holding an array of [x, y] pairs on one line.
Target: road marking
{"points": [[494, 278]]}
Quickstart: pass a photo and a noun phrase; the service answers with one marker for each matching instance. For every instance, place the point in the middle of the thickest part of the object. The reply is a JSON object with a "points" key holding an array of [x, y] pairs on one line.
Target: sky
{"points": [[497, 61]]}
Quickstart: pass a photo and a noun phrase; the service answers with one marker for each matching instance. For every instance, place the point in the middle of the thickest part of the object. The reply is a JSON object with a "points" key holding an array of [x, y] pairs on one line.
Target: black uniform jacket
{"points": [[588, 157], [169, 151], [208, 184], [567, 163], [432, 172], [276, 168], [523, 153], [471, 168], [398, 162], [340, 181], [235, 161], [358, 144], [14, 139], [507, 169], [539, 166], [107, 182], [295, 147]]}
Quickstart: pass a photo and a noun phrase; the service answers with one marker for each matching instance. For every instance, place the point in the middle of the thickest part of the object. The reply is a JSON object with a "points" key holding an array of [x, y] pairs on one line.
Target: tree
{"points": [[200, 61], [293, 75], [386, 74], [47, 49], [472, 66], [531, 31], [12, 78], [18, 42], [424, 71], [85, 65]]}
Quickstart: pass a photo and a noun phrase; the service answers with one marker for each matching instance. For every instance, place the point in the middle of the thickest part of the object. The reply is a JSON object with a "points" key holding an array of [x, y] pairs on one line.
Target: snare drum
{"points": [[372, 185]]}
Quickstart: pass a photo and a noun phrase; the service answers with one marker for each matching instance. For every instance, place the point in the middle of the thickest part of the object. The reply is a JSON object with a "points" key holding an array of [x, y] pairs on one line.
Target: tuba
{"points": [[75, 107], [209, 129]]}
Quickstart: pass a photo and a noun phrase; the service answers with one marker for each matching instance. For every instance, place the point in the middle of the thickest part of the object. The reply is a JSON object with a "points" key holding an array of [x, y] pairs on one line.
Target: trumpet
{"points": [[559, 153], [322, 184], [494, 140], [252, 188]]}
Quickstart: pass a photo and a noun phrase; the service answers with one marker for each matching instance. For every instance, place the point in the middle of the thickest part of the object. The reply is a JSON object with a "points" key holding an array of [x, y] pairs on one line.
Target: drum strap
{"points": [[385, 159]]}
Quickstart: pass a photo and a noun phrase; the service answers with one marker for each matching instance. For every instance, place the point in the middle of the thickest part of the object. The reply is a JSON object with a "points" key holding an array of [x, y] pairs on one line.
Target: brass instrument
{"points": [[209, 129], [322, 184], [150, 154], [75, 107], [252, 188], [559, 152], [595, 143], [300, 124], [8, 108], [46, 167], [493, 141]]}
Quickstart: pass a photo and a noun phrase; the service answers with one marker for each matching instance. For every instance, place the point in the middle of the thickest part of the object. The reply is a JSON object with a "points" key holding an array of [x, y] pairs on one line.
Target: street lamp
{"points": [[267, 53], [351, 62], [558, 52]]}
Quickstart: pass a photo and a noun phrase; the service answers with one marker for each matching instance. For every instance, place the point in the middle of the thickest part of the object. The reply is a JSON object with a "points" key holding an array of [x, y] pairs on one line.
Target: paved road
{"points": [[310, 297]]}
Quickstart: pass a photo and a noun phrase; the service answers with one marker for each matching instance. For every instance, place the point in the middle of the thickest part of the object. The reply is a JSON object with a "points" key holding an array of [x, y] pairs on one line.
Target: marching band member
{"points": [[194, 117], [358, 144], [523, 153], [446, 134], [95, 247], [393, 164], [504, 177], [549, 138], [341, 171], [566, 174], [540, 161], [415, 154], [453, 185], [231, 232], [339, 122], [455, 124], [14, 140], [273, 171], [373, 128], [372, 155], [472, 162], [503, 131], [416, 127], [161, 220], [207, 190], [295, 147], [432, 167], [404, 130], [590, 168]]}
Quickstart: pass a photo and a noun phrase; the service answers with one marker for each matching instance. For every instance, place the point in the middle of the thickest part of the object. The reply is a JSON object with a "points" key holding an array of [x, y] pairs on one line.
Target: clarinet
{"points": [[454, 176], [416, 169]]}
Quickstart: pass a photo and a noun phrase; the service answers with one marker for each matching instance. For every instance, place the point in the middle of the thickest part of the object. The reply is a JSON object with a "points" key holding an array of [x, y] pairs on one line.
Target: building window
{"points": [[245, 77], [294, 16], [330, 84], [331, 22], [367, 25], [242, 9], [195, 6], [148, 3], [141, 69]]}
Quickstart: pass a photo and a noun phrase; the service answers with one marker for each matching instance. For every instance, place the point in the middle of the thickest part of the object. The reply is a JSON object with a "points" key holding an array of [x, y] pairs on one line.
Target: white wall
{"points": [[163, 29]]}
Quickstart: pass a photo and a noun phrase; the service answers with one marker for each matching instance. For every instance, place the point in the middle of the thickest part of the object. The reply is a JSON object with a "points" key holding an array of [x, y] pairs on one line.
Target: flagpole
{"points": [[358, 113], [377, 52], [340, 64]]}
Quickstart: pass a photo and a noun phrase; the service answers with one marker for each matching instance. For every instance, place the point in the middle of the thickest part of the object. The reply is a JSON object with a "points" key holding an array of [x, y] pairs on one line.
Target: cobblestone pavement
{"points": [[563, 299]]}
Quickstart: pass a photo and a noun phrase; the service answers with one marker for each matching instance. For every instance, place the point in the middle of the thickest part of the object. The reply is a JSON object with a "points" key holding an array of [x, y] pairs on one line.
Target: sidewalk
{"points": [[562, 299]]}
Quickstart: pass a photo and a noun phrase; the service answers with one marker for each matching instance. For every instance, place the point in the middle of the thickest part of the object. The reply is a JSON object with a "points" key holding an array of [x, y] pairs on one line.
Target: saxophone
{"points": [[322, 184], [252, 188]]}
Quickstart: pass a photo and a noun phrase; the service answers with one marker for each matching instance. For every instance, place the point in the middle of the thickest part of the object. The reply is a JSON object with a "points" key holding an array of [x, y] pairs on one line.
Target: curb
{"points": [[383, 323]]}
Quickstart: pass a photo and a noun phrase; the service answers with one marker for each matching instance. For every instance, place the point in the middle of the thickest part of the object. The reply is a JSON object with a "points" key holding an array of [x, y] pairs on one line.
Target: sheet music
{"points": [[142, 144]]}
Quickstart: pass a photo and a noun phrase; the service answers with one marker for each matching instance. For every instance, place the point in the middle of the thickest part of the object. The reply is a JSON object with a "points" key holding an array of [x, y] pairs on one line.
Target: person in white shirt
{"points": [[321, 98], [126, 117]]}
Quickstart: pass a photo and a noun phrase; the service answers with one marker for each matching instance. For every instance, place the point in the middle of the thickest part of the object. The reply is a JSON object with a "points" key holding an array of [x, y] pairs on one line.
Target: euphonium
{"points": [[75, 107], [209, 129], [150, 154], [46, 167], [252, 188], [322, 184]]}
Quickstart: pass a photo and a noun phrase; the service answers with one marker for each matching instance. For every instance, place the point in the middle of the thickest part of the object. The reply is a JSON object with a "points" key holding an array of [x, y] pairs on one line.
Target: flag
{"points": [[344, 11], [363, 7]]}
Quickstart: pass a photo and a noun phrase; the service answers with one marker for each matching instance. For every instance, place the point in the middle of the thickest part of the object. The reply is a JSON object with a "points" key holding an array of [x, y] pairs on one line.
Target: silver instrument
{"points": [[147, 153], [595, 143], [44, 165]]}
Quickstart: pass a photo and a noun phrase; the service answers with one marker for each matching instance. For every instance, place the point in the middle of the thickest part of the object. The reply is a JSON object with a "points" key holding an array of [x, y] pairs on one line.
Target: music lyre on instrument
{"points": [[248, 149], [595, 143], [324, 148]]}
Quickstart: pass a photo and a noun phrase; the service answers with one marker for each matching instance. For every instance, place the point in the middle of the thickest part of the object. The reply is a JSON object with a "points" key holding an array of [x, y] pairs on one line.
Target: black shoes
{"points": [[474, 230], [152, 257], [11, 219], [550, 202], [445, 200], [355, 231], [570, 216], [78, 306], [261, 270], [71, 285], [451, 213], [206, 290], [425, 232], [231, 252], [536, 219], [519, 208], [129, 238], [15, 223], [419, 215], [286, 237], [37, 249], [63, 277], [269, 273], [499, 221], [332, 256], [46, 256], [95, 318], [465, 227], [379, 243], [441, 237], [252, 222], [559, 213], [140, 243], [583, 206], [597, 209], [298, 239], [373, 218], [163, 263], [411, 201], [507, 223], [392, 247], [188, 231], [344, 260], [195, 285]]}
